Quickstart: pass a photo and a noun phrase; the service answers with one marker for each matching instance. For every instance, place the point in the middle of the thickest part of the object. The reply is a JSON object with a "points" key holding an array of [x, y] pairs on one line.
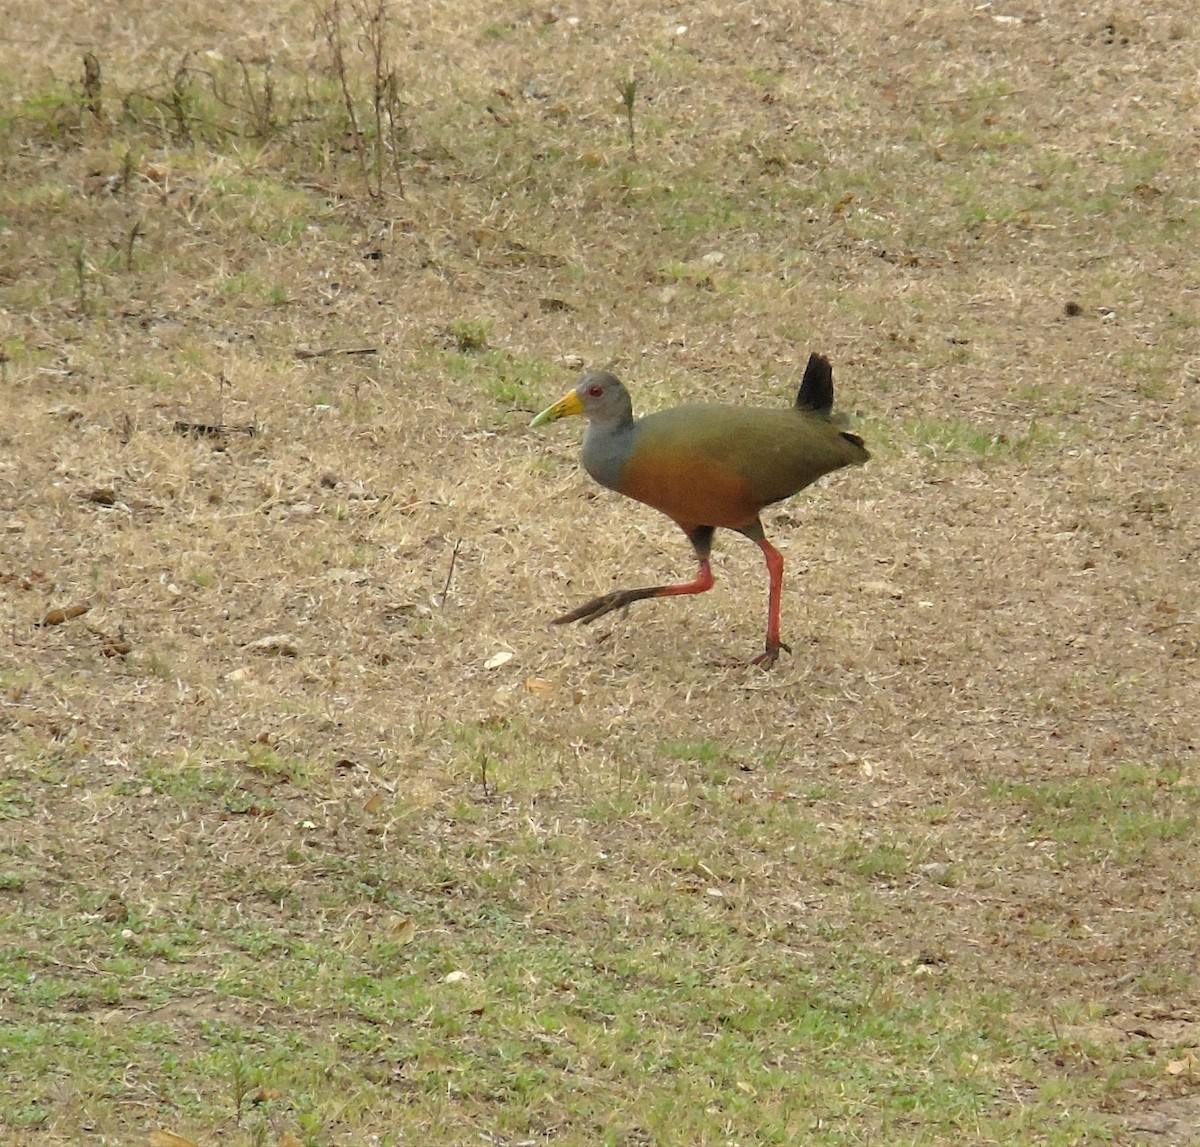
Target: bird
{"points": [[708, 467]]}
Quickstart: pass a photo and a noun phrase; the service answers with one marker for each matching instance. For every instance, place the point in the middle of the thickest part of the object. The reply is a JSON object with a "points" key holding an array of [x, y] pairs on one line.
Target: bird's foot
{"points": [[599, 606], [770, 655]]}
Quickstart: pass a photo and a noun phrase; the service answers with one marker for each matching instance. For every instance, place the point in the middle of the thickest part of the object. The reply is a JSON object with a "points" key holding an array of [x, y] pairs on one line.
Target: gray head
{"points": [[600, 397]]}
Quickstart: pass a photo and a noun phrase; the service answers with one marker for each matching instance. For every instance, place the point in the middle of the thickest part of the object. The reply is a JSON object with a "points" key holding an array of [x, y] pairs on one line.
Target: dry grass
{"points": [[957, 825]]}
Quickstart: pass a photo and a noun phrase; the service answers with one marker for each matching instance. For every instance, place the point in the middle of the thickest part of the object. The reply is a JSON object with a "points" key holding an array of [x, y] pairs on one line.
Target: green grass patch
{"points": [[513, 1022], [954, 438], [505, 379], [1125, 814]]}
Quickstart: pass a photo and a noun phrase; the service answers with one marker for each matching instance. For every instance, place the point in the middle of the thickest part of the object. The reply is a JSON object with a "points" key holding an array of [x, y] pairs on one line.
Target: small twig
{"points": [[450, 571], [129, 169], [628, 90], [212, 429], [80, 259], [222, 386], [1054, 1027], [135, 233], [301, 353]]}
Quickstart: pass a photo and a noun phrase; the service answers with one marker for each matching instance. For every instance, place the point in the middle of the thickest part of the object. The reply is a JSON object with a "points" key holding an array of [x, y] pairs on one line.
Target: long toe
{"points": [[770, 655], [597, 607]]}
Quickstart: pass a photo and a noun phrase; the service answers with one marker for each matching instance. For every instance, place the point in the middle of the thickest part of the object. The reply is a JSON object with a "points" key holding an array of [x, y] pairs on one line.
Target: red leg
{"points": [[702, 581], [701, 539], [599, 606], [775, 571]]}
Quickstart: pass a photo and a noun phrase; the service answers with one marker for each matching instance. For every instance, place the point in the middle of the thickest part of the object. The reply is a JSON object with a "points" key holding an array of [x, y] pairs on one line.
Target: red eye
{"points": [[595, 391]]}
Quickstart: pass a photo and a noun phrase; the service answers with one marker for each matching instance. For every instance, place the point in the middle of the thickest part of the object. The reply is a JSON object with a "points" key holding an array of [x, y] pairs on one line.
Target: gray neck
{"points": [[606, 448]]}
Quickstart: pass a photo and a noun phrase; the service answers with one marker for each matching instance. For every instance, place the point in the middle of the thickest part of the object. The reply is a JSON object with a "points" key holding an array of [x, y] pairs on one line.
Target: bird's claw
{"points": [[770, 655], [597, 607]]}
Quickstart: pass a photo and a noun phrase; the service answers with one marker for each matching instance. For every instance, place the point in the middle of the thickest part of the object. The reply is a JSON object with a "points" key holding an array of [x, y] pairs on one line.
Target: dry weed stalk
{"points": [[179, 99], [137, 231], [261, 102], [92, 88], [628, 89], [79, 261], [386, 108]]}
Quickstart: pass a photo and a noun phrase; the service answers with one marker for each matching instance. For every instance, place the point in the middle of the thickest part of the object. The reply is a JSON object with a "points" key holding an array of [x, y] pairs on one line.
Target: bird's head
{"points": [[599, 397]]}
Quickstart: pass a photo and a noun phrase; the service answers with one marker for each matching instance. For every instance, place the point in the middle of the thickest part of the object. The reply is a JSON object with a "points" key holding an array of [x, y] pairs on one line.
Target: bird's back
{"points": [[720, 465]]}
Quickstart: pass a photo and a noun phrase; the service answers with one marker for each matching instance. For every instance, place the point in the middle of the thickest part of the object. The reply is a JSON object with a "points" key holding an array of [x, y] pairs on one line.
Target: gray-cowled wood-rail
{"points": [[708, 466]]}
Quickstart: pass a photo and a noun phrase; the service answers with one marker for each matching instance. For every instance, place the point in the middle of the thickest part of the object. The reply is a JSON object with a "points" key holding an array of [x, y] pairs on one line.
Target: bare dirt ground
{"points": [[313, 750]]}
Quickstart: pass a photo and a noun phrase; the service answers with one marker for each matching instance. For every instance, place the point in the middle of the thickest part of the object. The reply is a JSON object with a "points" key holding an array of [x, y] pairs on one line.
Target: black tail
{"points": [[816, 387]]}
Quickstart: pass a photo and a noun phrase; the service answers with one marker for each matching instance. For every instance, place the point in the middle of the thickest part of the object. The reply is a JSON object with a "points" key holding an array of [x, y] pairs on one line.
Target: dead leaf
{"points": [[275, 644], [58, 616], [403, 930], [66, 412], [498, 659], [262, 810], [114, 646], [884, 589], [374, 804], [170, 1139]]}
